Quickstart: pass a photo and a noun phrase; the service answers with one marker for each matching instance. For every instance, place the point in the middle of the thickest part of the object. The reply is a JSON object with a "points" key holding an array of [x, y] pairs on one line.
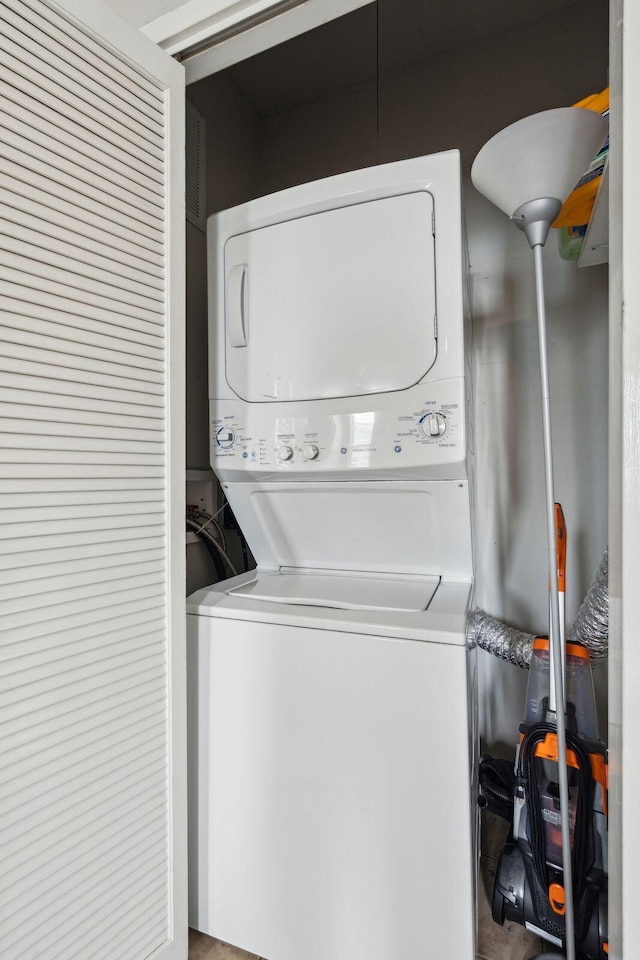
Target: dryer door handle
{"points": [[238, 305]]}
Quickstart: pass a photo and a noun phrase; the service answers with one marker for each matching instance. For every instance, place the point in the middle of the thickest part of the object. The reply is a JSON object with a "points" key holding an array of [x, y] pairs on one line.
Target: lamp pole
{"points": [[534, 218]]}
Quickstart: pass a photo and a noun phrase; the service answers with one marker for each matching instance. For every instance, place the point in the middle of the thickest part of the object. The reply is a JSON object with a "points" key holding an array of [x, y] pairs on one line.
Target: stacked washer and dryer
{"points": [[333, 739]]}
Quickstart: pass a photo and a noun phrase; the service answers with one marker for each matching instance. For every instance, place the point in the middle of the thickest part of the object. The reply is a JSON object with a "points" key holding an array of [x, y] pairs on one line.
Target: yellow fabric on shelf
{"points": [[577, 208]]}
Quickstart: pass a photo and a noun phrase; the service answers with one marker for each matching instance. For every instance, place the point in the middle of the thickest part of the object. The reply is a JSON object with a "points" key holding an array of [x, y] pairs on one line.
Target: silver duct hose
{"points": [[591, 627], [502, 641]]}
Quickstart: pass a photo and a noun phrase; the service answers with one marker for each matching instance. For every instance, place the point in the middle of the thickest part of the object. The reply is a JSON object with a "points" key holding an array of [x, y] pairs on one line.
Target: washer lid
{"points": [[340, 592]]}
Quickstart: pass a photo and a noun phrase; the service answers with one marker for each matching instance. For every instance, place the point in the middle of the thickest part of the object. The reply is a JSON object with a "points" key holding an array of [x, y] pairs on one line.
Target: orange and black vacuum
{"points": [[530, 883]]}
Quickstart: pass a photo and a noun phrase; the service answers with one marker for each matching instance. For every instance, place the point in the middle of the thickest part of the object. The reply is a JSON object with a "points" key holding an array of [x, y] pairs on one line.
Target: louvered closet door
{"points": [[92, 843]]}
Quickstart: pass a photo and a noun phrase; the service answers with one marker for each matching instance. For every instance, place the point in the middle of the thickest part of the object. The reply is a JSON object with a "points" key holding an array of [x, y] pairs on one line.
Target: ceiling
{"points": [[382, 35]]}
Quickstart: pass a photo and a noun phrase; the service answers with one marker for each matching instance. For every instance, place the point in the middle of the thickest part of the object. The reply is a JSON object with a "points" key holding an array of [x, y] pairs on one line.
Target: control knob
{"points": [[225, 437], [310, 451], [433, 426], [285, 453]]}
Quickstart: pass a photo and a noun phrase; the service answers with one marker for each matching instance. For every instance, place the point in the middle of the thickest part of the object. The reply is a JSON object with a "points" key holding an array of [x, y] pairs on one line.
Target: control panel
{"points": [[403, 434]]}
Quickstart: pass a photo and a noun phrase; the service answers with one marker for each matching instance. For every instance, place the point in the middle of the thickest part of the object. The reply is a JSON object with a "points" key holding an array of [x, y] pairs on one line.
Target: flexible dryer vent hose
{"points": [[501, 640], [591, 627]]}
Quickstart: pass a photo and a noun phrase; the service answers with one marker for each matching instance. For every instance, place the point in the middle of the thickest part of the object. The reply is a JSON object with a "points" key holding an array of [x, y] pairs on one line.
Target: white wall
{"points": [[459, 99]]}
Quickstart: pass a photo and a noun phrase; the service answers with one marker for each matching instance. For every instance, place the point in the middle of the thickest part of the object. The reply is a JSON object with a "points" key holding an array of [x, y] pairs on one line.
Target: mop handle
{"points": [[555, 676]]}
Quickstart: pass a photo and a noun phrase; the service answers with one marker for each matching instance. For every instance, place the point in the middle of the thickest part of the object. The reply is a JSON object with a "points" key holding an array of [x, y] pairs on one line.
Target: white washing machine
{"points": [[332, 741]]}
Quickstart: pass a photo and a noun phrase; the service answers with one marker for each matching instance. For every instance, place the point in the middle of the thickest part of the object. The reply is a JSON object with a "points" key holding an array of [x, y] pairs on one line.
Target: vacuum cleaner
{"points": [[529, 885]]}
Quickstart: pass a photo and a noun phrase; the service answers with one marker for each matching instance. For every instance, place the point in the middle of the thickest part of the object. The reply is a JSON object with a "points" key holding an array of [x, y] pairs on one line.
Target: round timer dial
{"points": [[225, 437], [433, 426]]}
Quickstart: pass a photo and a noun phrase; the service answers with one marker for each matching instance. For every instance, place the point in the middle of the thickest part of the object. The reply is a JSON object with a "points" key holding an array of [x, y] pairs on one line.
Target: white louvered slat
{"points": [[30, 63], [115, 682], [65, 114], [63, 243], [119, 519], [98, 401], [45, 165], [22, 299], [87, 374], [11, 594], [114, 759], [44, 144], [117, 629], [50, 912], [58, 113], [104, 539], [92, 649], [74, 485], [140, 856], [22, 499], [77, 240], [133, 934], [50, 336], [46, 52], [68, 805], [127, 79], [41, 560], [149, 858], [72, 415], [130, 765], [22, 205], [44, 270], [134, 894], [30, 191], [92, 786], [82, 565], [86, 601], [30, 360], [80, 269], [58, 718], [85, 724], [61, 850], [122, 436], [58, 464]]}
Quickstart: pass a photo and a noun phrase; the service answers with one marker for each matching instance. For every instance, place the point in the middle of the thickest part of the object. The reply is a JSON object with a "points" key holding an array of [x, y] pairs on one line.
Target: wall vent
{"points": [[195, 150]]}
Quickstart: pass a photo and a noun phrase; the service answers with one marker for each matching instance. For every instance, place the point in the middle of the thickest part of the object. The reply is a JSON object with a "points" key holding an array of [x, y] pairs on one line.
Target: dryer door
{"points": [[335, 304]]}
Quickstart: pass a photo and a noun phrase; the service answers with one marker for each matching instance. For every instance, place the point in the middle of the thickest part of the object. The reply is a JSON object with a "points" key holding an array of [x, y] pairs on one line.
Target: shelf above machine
{"points": [[595, 248]]}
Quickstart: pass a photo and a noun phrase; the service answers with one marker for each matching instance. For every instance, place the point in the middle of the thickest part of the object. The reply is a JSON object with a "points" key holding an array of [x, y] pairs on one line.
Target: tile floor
{"points": [[509, 942], [202, 947]]}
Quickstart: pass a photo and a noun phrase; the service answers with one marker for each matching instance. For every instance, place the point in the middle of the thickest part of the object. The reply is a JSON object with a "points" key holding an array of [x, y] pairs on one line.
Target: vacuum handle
{"points": [[561, 547], [561, 566]]}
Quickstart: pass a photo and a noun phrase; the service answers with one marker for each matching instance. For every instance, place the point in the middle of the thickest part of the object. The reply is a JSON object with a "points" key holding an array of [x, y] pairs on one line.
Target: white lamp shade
{"points": [[541, 156]]}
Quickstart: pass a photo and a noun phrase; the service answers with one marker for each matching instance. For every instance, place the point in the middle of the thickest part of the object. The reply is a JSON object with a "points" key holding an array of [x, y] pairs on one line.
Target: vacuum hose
{"points": [[590, 627]]}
